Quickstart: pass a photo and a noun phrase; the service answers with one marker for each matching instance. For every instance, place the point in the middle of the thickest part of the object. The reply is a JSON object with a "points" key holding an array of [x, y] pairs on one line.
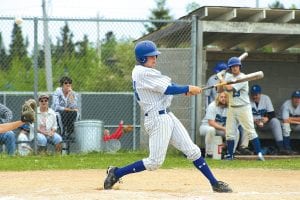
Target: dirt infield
{"points": [[161, 184]]}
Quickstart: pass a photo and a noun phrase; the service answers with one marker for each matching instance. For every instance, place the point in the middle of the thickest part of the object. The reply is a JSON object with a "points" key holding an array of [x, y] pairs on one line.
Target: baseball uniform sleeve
{"points": [[285, 113], [269, 104], [155, 81]]}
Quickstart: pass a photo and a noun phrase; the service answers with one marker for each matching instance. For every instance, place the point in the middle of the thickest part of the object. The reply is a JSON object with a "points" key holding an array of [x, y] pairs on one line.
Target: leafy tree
{"points": [[191, 7], [276, 4], [160, 12], [83, 46]]}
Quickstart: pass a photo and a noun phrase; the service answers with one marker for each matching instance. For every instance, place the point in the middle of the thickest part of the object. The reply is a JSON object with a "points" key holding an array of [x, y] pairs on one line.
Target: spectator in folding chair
{"points": [[65, 103], [47, 126], [8, 137]]}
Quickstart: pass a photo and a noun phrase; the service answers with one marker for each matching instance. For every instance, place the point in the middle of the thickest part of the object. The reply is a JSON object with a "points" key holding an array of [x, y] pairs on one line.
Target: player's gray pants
{"points": [[287, 128], [162, 130], [210, 132], [275, 127], [240, 116]]}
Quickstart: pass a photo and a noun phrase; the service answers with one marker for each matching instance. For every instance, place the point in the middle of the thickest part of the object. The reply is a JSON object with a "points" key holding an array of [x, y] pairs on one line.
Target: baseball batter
{"points": [[290, 116], [239, 109], [265, 119], [154, 93]]}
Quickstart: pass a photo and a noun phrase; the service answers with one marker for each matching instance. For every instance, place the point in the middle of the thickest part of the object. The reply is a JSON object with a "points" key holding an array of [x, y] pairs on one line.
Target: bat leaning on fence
{"points": [[248, 77]]}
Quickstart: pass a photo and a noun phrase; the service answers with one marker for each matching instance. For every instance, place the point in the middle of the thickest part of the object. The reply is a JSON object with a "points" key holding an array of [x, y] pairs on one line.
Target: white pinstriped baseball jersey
{"points": [[264, 106], [163, 128], [149, 85]]}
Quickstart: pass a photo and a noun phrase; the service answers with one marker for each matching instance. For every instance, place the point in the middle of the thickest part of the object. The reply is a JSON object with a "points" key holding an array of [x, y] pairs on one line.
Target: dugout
{"points": [[270, 36]]}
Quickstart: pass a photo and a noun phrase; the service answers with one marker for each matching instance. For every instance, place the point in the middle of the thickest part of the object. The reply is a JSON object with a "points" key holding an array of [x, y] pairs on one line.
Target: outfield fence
{"points": [[98, 55]]}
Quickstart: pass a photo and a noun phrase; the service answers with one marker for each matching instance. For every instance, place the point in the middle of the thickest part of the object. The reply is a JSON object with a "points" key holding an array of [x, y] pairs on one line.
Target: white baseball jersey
{"points": [[216, 113], [239, 109], [211, 94], [163, 128], [240, 96], [288, 110], [264, 106]]}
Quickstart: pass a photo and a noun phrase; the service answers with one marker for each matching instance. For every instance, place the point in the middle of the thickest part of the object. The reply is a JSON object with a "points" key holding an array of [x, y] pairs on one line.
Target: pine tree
{"points": [[18, 47], [158, 13]]}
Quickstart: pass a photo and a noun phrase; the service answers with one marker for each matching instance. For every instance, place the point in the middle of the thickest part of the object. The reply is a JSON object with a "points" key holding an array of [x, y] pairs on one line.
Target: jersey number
{"points": [[135, 92], [236, 94]]}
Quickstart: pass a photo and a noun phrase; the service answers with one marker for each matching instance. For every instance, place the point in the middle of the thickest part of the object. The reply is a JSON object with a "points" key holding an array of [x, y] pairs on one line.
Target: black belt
{"points": [[160, 112]]}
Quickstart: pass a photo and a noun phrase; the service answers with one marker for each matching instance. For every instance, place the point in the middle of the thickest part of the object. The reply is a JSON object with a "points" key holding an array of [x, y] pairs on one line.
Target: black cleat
{"points": [[111, 178], [221, 187], [245, 151]]}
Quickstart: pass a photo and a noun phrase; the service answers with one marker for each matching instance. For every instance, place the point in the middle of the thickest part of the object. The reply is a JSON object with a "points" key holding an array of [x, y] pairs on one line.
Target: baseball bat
{"points": [[248, 77], [243, 56]]}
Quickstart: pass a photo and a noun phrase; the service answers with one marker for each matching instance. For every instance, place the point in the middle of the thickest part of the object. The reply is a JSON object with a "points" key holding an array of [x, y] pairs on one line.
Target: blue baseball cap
{"points": [[296, 94], [255, 89]]}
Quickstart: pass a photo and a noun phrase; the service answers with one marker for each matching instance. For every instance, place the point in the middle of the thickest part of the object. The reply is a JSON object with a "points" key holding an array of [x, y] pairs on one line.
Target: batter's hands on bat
{"points": [[194, 90]]}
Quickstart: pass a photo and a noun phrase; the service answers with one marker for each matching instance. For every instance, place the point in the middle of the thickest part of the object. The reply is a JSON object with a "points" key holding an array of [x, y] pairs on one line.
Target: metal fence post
{"points": [[194, 35], [35, 63]]}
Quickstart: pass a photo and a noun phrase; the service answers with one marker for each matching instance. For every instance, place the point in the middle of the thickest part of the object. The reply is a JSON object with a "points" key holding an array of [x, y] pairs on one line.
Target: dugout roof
{"points": [[230, 28]]}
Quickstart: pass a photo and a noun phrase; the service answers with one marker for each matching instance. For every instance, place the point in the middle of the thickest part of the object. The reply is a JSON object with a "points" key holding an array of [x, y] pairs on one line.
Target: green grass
{"points": [[102, 160]]}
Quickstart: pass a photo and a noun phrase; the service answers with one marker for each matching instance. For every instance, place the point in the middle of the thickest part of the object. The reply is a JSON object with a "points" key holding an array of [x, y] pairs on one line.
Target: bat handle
{"points": [[207, 87]]}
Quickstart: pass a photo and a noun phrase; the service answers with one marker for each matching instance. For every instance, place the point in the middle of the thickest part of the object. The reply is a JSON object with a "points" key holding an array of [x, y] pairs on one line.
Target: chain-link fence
{"points": [[98, 55]]}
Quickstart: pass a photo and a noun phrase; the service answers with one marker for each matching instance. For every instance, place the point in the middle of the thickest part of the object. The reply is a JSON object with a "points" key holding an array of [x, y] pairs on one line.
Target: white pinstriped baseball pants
{"points": [[163, 130]]}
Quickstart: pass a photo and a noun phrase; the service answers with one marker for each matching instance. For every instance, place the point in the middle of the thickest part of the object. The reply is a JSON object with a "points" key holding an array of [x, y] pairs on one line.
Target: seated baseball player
{"points": [[290, 117], [264, 118], [214, 123]]}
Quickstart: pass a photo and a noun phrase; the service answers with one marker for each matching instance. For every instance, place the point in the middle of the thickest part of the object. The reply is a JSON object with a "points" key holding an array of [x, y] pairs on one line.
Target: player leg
{"points": [[209, 133], [275, 127], [159, 129], [244, 114], [181, 140], [9, 139], [42, 143], [231, 127]]}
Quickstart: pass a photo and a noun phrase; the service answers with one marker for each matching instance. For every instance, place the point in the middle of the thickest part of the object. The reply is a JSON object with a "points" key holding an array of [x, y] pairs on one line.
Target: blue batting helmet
{"points": [[234, 61], [25, 127], [220, 66], [143, 49], [255, 89], [296, 94]]}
